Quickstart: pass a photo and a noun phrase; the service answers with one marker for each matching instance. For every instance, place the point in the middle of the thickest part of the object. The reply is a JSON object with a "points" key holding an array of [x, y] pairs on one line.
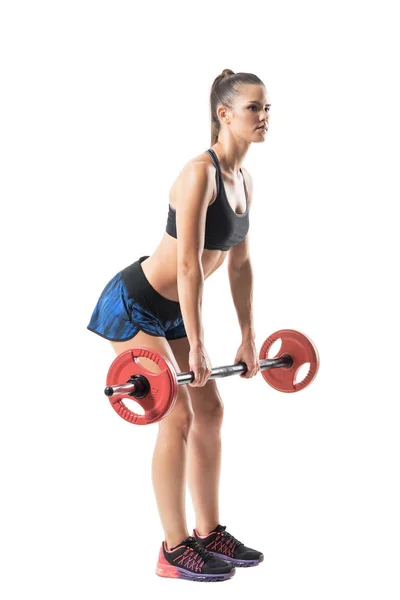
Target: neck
{"points": [[230, 154]]}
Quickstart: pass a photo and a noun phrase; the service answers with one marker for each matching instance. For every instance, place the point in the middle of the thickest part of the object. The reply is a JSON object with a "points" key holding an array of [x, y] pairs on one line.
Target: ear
{"points": [[223, 114]]}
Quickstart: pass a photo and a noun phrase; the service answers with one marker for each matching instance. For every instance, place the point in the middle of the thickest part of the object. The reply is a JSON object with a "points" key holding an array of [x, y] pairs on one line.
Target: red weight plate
{"points": [[301, 349], [163, 385]]}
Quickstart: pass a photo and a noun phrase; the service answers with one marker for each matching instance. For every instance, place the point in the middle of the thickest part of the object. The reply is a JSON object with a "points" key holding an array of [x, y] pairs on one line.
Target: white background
{"points": [[102, 103]]}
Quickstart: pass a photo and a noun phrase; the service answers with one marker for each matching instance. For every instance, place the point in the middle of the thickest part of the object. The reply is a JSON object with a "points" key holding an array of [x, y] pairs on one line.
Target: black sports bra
{"points": [[224, 226]]}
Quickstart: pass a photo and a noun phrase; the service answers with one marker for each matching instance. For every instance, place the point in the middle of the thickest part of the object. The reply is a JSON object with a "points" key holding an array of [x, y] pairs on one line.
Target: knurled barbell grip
{"points": [[131, 388]]}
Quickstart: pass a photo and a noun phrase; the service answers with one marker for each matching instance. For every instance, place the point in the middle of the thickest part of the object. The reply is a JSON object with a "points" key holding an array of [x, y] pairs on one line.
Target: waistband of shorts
{"points": [[138, 285]]}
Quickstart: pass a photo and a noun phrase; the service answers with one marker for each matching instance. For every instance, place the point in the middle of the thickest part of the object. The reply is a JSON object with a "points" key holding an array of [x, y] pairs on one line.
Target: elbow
{"points": [[189, 260], [189, 267]]}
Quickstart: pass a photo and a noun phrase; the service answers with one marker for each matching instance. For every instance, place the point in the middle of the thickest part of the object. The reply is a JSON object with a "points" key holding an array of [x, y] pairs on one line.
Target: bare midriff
{"points": [[161, 269]]}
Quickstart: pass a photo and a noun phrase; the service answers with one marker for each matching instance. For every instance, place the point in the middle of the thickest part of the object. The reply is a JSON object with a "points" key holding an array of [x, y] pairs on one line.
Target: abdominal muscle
{"points": [[161, 269]]}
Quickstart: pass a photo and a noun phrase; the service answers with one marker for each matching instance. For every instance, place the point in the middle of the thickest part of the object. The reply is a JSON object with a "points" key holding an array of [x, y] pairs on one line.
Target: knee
{"points": [[183, 421], [180, 418], [210, 413]]}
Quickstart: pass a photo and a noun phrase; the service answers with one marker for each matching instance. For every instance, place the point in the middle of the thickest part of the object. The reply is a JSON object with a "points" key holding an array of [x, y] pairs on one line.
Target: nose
{"points": [[265, 118]]}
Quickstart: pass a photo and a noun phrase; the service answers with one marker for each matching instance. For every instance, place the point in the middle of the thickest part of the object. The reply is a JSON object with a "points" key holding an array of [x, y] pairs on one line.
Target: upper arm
{"points": [[240, 254], [193, 193]]}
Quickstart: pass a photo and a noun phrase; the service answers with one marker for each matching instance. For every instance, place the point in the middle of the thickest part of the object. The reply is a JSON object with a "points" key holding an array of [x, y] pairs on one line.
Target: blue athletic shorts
{"points": [[129, 303]]}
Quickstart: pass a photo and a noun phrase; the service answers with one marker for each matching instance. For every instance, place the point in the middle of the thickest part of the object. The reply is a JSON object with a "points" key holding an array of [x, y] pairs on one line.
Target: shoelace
{"points": [[229, 536], [205, 555]]}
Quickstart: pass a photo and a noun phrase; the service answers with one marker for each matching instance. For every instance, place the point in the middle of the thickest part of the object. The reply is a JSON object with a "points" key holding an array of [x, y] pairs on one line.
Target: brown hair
{"points": [[224, 89]]}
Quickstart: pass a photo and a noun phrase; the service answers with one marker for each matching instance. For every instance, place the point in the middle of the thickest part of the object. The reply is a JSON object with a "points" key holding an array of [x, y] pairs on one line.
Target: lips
{"points": [[263, 127]]}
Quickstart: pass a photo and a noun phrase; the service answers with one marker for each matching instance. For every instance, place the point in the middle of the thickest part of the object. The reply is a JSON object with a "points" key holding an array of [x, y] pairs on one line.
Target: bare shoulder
{"points": [[201, 166], [203, 159]]}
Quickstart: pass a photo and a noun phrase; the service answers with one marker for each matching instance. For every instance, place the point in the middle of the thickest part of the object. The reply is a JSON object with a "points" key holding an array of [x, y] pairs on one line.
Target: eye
{"points": [[253, 106]]}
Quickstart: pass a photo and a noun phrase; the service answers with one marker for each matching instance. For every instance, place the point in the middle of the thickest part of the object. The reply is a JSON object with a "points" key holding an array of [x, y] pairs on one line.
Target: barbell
{"points": [[156, 392]]}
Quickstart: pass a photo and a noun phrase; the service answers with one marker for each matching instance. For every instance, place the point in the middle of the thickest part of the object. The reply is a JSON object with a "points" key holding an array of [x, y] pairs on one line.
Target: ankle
{"points": [[206, 530], [171, 541]]}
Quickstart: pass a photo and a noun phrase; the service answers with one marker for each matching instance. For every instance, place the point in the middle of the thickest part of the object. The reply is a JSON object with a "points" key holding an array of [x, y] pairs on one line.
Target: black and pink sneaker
{"points": [[189, 560], [223, 545]]}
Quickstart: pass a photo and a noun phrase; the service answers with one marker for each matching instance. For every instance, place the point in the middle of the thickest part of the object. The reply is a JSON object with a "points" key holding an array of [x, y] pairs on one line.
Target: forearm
{"points": [[190, 291], [241, 283]]}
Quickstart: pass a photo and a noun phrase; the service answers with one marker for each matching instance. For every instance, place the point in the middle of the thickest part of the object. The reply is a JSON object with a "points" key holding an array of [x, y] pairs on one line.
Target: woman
{"points": [[156, 302]]}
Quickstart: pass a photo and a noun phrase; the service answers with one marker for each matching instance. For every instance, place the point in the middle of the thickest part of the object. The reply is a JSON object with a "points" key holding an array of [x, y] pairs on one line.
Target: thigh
{"points": [[182, 410], [206, 400]]}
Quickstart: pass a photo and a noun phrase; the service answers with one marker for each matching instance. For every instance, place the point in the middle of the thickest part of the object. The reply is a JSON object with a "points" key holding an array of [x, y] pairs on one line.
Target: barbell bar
{"points": [[156, 392], [136, 388]]}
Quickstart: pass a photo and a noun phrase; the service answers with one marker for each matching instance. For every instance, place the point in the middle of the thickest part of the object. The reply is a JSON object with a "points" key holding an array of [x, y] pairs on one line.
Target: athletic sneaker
{"points": [[223, 545], [189, 560]]}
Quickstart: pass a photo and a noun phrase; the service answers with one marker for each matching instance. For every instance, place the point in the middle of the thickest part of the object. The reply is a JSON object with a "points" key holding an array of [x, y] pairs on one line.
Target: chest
{"points": [[233, 192], [231, 189]]}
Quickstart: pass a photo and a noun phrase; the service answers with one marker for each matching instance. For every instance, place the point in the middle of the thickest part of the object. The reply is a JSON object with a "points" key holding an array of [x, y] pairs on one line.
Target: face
{"points": [[249, 118]]}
